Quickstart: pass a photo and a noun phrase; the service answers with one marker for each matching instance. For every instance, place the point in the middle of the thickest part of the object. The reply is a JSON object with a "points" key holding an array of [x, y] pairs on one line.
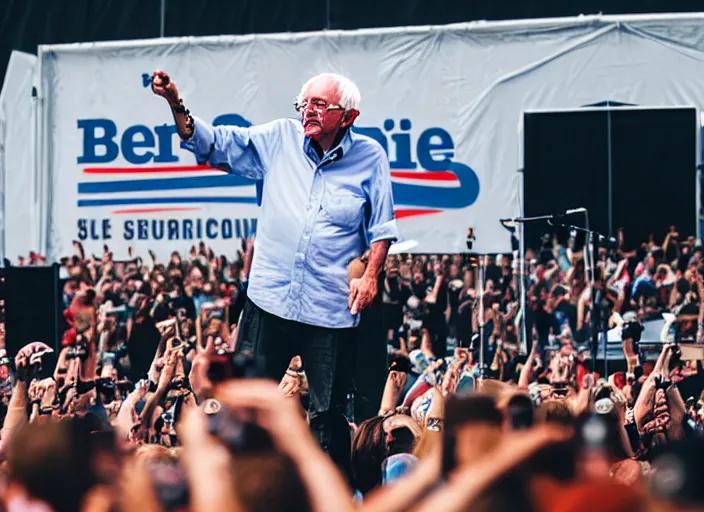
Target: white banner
{"points": [[19, 231], [445, 102]]}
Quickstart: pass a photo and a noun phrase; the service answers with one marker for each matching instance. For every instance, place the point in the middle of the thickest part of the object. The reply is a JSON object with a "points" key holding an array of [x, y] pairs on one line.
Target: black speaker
{"points": [[631, 168], [566, 164], [33, 307]]}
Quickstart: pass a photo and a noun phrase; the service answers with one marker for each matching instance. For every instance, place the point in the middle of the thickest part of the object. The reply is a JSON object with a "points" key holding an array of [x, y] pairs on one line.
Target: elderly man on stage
{"points": [[326, 200]]}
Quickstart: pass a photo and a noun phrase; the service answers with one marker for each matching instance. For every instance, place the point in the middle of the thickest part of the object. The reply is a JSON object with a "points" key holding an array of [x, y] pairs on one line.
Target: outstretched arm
{"points": [[164, 87], [234, 149]]}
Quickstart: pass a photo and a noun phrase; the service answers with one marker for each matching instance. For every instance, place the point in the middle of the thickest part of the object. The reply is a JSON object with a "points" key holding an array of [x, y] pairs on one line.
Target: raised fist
{"points": [[164, 87], [31, 354]]}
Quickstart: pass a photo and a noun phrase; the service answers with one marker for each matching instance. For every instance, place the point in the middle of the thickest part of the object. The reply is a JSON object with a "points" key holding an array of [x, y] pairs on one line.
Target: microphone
{"points": [[567, 213], [511, 222]]}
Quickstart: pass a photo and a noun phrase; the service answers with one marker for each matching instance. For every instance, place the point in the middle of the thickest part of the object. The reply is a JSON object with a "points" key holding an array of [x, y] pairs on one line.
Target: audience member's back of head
{"points": [[53, 462], [499, 391], [265, 481], [269, 482], [149, 453], [368, 453], [473, 428], [509, 494], [477, 408], [556, 412]]}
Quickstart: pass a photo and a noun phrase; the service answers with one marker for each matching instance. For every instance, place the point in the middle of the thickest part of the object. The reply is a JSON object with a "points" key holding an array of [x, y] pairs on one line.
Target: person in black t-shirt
{"points": [[394, 296], [437, 304], [454, 289], [546, 253], [493, 272]]}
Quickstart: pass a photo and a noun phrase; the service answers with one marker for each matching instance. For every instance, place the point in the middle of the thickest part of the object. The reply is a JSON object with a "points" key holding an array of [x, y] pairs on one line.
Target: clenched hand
{"points": [[164, 87]]}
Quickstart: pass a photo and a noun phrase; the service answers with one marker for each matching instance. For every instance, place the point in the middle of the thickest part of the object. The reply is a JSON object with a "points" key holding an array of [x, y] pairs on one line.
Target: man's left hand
{"points": [[362, 293]]}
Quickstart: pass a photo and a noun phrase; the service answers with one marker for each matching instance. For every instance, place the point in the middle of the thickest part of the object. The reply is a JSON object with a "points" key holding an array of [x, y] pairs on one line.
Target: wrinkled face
{"points": [[321, 114]]}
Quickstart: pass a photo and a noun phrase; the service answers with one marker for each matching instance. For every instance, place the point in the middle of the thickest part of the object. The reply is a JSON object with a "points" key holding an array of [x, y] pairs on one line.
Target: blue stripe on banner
{"points": [[164, 200], [111, 187]]}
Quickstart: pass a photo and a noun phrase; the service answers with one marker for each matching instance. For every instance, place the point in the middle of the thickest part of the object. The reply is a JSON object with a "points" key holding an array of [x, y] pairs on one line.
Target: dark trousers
{"points": [[372, 360], [327, 356]]}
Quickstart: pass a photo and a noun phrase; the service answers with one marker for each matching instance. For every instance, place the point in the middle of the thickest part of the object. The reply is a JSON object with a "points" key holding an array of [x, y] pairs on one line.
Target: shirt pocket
{"points": [[342, 207]]}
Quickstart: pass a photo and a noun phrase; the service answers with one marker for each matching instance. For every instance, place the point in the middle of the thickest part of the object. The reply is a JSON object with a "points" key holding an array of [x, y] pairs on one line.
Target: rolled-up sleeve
{"points": [[381, 223], [232, 149]]}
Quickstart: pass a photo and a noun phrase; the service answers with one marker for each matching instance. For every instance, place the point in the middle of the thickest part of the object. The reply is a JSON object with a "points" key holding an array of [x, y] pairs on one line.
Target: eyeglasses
{"points": [[320, 106]]}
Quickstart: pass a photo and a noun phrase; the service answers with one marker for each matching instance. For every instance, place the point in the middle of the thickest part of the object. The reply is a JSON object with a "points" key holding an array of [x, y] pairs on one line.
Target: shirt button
{"points": [[300, 257], [306, 238]]}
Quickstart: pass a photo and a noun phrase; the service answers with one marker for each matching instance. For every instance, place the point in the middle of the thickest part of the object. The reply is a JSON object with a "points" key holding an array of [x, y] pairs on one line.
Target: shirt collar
{"points": [[343, 142]]}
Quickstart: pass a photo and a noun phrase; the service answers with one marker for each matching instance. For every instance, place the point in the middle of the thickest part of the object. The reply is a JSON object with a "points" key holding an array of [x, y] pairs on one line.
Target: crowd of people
{"points": [[150, 407]]}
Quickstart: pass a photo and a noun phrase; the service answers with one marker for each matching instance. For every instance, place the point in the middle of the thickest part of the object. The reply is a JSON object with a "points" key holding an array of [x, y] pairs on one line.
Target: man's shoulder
{"points": [[283, 124], [369, 144], [282, 130], [290, 123]]}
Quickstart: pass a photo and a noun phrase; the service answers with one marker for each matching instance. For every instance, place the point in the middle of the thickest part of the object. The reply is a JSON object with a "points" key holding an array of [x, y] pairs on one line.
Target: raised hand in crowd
{"points": [[283, 419], [187, 307], [294, 380], [198, 376]]}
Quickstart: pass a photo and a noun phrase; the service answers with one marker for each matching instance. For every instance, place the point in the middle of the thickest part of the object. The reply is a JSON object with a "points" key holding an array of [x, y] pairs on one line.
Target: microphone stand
{"points": [[590, 270], [522, 268], [588, 260], [519, 222], [590, 267], [524, 293], [482, 270]]}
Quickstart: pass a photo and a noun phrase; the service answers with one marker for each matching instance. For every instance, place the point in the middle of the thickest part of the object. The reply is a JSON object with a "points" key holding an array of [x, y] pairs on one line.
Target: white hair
{"points": [[349, 92]]}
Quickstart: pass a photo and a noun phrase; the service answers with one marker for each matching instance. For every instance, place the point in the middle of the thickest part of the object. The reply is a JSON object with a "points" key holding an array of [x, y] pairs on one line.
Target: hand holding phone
{"points": [[559, 390]]}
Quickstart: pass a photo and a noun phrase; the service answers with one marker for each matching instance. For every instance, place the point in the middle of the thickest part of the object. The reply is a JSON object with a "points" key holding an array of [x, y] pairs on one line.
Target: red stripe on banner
{"points": [[430, 176], [402, 213], [139, 170], [155, 210]]}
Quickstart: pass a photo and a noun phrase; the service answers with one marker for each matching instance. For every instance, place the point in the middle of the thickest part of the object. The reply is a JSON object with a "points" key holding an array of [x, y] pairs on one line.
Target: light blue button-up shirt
{"points": [[316, 216]]}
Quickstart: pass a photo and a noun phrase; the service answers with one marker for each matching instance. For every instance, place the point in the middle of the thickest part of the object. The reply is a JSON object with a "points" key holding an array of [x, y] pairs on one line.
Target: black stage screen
{"points": [[649, 185]]}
